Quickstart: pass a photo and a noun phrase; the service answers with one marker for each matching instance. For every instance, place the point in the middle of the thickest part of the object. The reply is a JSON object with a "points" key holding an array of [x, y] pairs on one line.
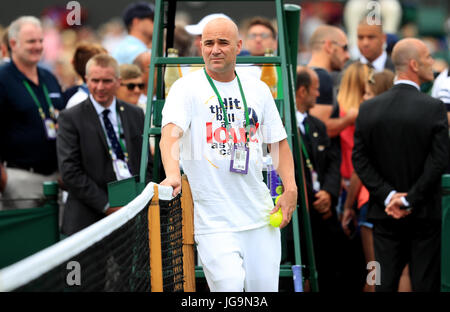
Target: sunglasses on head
{"points": [[130, 86]]}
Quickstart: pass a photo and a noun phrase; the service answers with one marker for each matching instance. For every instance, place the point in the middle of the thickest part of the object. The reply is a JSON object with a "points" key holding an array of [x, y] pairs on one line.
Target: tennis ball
{"points": [[276, 218], [279, 189], [276, 199]]}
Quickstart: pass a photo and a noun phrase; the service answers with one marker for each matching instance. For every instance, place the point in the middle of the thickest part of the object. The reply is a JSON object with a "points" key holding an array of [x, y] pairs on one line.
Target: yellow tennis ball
{"points": [[276, 218], [279, 189], [276, 199]]}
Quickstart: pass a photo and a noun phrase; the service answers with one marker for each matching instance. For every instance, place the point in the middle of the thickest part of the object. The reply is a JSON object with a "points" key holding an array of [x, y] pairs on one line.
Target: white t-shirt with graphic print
{"points": [[224, 201]]}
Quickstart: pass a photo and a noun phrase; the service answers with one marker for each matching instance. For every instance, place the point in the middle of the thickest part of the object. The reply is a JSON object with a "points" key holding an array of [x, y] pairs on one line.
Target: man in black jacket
{"points": [[321, 162], [400, 153]]}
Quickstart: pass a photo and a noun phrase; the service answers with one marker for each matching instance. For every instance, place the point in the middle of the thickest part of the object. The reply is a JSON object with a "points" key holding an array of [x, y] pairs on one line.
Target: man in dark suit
{"points": [[321, 161], [99, 141], [323, 176], [400, 153], [371, 44]]}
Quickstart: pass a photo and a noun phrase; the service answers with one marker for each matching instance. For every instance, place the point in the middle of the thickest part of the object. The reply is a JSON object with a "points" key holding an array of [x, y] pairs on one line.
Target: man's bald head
{"points": [[329, 48], [371, 39], [366, 21], [220, 46], [325, 32], [221, 23], [404, 51], [412, 60]]}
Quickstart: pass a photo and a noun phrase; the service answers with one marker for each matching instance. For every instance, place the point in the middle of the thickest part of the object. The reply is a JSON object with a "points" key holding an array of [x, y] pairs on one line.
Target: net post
{"points": [[154, 229], [187, 206]]}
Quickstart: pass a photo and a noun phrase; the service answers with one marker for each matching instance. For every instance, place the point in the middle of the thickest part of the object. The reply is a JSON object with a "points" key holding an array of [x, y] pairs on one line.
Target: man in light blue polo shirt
{"points": [[138, 18]]}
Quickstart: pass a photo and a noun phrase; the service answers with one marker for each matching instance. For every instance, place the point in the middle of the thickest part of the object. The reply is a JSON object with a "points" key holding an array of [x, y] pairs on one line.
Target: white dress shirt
{"points": [[300, 118], [113, 117], [378, 63]]}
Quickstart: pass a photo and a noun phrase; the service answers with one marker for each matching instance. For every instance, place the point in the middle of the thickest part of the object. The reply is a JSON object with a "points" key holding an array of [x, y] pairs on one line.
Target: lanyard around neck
{"points": [[305, 152], [38, 104], [224, 110]]}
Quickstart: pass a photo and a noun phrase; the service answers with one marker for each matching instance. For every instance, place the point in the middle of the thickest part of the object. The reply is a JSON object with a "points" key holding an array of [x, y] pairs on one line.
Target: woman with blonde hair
{"points": [[375, 84], [350, 97]]}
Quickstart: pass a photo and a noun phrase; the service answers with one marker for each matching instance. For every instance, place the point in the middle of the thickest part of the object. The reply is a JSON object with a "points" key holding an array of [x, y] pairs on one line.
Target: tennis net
{"points": [[110, 255]]}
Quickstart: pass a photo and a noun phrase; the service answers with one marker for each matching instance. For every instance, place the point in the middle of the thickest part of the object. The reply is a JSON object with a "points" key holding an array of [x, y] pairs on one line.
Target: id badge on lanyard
{"points": [[121, 169], [315, 181], [239, 158], [49, 123], [50, 128], [240, 151]]}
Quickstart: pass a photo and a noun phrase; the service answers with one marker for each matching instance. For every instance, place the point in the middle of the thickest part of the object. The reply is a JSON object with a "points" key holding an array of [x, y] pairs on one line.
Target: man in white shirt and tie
{"points": [[99, 141]]}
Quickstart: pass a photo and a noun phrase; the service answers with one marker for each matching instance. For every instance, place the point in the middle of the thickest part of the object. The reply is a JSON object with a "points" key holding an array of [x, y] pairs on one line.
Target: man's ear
{"points": [[239, 46], [302, 92], [413, 65], [328, 46], [134, 21], [12, 43]]}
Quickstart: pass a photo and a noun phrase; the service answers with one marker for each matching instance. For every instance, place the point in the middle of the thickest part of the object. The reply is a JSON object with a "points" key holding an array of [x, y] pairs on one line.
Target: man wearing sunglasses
{"points": [[329, 53]]}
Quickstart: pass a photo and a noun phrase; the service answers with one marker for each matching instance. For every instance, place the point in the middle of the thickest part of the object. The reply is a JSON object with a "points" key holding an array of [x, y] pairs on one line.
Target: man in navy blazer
{"points": [[94, 149], [400, 153]]}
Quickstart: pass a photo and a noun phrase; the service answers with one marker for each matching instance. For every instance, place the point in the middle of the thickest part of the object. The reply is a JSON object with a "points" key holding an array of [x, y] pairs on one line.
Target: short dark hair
{"points": [[264, 22], [83, 52], [303, 79], [139, 10]]}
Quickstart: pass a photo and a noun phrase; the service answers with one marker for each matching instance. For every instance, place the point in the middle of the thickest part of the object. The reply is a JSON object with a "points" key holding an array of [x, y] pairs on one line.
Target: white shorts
{"points": [[234, 261]]}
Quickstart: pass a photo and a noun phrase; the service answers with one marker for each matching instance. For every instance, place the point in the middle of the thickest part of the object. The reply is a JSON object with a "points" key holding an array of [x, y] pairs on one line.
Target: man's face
{"points": [[425, 62], [370, 41], [220, 46], [102, 84], [145, 27], [258, 39], [339, 55], [313, 92], [306, 98], [28, 47]]}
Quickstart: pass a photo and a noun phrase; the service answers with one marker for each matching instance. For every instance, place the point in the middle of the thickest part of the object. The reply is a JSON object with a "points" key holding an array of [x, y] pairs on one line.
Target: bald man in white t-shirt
{"points": [[211, 120]]}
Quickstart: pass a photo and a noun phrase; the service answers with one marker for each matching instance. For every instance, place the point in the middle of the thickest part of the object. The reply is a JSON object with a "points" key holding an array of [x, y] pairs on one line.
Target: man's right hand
{"points": [[174, 182], [394, 207]]}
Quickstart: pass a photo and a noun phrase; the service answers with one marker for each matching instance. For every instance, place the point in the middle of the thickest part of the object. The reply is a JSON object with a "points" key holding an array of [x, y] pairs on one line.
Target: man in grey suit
{"points": [[99, 141]]}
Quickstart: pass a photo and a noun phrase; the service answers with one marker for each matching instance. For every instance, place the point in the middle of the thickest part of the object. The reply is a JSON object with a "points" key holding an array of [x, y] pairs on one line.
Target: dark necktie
{"points": [[112, 136], [306, 126]]}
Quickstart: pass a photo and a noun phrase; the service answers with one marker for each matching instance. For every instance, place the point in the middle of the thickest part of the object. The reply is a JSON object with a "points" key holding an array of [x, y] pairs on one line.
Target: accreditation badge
{"points": [[121, 169], [315, 181], [239, 158], [50, 128]]}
